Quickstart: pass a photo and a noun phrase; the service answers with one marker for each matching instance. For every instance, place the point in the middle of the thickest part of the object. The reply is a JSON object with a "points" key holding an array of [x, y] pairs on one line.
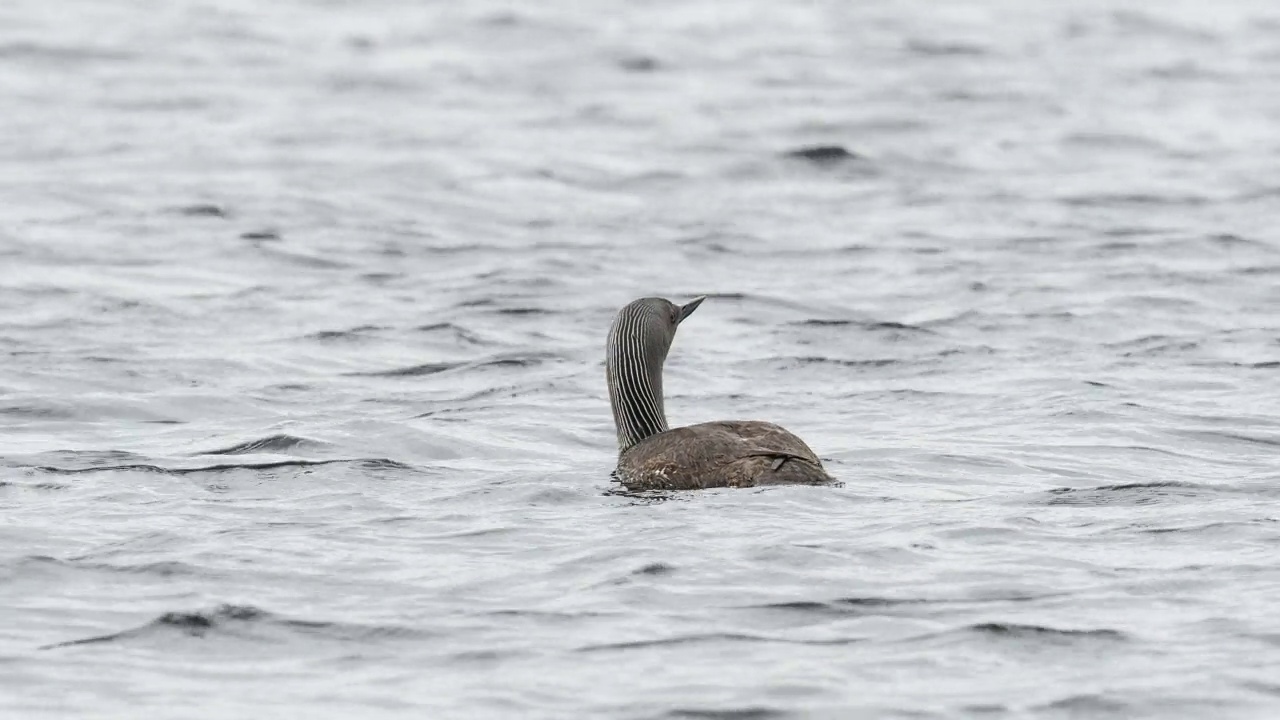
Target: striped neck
{"points": [[636, 351]]}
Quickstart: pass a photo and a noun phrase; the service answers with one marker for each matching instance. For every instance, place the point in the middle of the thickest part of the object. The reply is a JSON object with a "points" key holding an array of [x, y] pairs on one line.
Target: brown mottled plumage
{"points": [[731, 453]]}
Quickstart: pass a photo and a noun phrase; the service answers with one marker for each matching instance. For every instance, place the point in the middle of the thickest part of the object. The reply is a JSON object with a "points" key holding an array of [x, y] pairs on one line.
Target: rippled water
{"points": [[302, 409]]}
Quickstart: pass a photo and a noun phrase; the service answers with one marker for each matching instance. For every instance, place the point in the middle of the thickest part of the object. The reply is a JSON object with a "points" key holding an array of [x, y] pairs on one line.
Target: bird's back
{"points": [[730, 453]]}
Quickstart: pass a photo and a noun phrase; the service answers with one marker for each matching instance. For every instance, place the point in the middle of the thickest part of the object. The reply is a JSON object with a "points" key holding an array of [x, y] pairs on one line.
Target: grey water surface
{"points": [[302, 320]]}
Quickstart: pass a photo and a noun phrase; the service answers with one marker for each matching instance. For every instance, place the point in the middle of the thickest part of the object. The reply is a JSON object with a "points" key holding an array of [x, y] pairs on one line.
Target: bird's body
{"points": [[730, 453]]}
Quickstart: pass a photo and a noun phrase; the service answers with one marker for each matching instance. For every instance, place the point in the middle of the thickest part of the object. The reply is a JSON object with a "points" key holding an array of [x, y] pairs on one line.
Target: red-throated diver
{"points": [[730, 453]]}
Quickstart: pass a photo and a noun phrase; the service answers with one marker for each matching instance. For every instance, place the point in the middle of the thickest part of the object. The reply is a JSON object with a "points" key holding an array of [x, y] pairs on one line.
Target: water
{"points": [[303, 311]]}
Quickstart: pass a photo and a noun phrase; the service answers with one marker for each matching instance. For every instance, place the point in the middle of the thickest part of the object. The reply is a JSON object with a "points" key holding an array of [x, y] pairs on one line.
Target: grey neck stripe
{"points": [[634, 370]]}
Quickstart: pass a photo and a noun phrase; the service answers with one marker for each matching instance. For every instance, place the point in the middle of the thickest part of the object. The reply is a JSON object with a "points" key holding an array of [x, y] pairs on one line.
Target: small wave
{"points": [[864, 324], [459, 331], [861, 605], [244, 621], [1127, 493], [526, 360], [1207, 527], [270, 444], [296, 258], [370, 463], [820, 360], [162, 568], [697, 638], [1238, 437]]}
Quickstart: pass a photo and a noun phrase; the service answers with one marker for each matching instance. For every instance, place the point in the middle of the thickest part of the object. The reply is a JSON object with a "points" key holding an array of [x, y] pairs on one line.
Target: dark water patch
{"points": [[502, 19], [523, 311], [27, 50], [1164, 349], [657, 568], [984, 709], [746, 713], [271, 444], [1142, 23], [368, 463], [1111, 141], [639, 64], [36, 412], [823, 155], [1088, 706], [1016, 630], [244, 622], [355, 333], [1233, 241], [1265, 688], [353, 82], [1135, 231], [209, 211], [410, 371], [943, 49], [261, 235], [52, 486], [548, 615], [843, 606], [1118, 200], [865, 325], [361, 43]]}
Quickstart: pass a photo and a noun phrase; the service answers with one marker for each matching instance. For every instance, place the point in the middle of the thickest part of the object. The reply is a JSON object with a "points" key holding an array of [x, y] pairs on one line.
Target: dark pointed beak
{"points": [[687, 310]]}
